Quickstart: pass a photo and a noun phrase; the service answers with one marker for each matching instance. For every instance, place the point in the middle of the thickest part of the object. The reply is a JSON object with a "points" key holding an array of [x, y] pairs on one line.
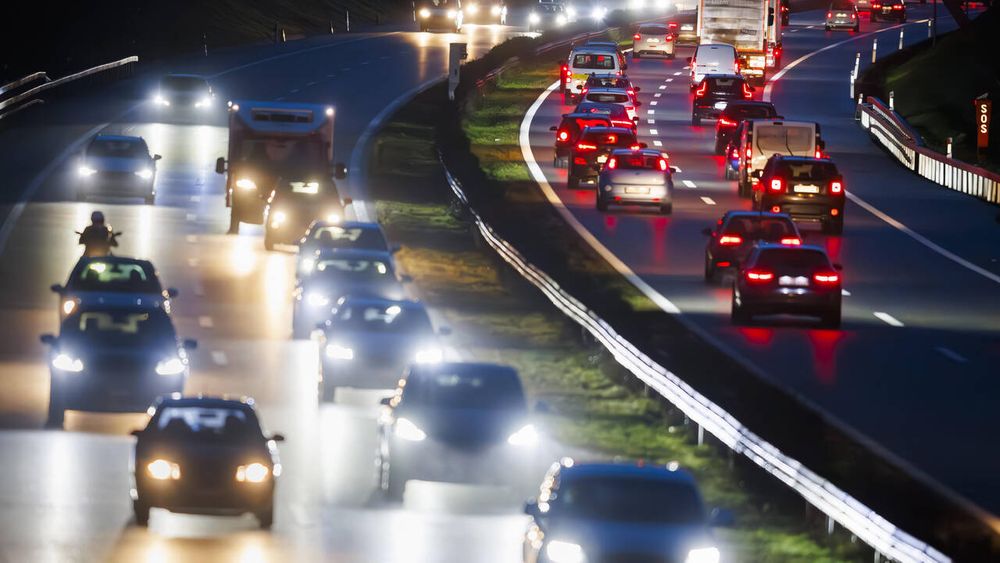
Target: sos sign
{"points": [[984, 109]]}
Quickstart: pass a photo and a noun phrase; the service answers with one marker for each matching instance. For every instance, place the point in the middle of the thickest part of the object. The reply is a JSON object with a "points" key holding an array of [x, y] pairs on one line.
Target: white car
{"points": [[117, 165], [653, 39], [179, 92]]}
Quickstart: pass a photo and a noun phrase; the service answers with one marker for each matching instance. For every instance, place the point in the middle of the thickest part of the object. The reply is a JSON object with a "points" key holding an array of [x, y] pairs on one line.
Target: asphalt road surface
{"points": [[914, 366]]}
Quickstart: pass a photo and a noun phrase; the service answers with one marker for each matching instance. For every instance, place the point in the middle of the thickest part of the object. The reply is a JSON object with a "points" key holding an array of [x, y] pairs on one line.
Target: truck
{"points": [[273, 144], [753, 27]]}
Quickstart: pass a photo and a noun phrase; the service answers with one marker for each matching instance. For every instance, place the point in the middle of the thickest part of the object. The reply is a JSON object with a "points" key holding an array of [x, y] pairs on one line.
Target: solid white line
{"points": [[708, 200], [690, 184], [951, 355], [205, 321], [657, 143], [219, 357], [650, 121], [654, 132], [888, 319]]}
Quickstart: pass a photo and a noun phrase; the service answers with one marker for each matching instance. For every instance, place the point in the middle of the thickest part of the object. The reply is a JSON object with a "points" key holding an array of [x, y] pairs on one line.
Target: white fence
{"points": [[14, 103]]}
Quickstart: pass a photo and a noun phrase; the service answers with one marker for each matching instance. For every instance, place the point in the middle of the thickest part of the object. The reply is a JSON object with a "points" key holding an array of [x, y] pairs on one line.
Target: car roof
{"points": [[606, 129], [119, 138], [340, 252], [607, 89], [626, 469], [208, 401]]}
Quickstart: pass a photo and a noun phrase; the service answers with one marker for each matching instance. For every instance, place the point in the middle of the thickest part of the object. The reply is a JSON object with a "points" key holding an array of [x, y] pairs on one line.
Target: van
{"points": [[717, 58], [762, 138], [586, 60]]}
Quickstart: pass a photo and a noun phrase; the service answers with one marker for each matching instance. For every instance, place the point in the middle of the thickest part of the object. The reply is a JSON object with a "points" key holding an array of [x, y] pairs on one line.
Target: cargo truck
{"points": [[751, 26]]}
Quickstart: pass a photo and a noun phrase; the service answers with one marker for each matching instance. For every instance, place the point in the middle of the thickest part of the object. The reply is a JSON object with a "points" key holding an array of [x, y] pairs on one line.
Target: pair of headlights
{"points": [[569, 552], [407, 430], [430, 355], [165, 470], [87, 171], [68, 363]]}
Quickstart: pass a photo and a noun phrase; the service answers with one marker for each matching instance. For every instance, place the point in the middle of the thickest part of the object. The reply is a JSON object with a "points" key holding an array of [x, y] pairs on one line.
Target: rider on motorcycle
{"points": [[98, 238]]}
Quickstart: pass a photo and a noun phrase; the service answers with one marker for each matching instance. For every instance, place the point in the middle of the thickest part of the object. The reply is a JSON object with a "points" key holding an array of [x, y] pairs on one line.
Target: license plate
{"points": [[809, 189], [632, 190], [602, 159], [720, 105], [797, 281], [652, 41]]}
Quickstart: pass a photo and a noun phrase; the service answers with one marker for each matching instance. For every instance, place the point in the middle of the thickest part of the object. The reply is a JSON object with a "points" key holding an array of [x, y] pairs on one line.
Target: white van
{"points": [[586, 60], [716, 58], [762, 138]]}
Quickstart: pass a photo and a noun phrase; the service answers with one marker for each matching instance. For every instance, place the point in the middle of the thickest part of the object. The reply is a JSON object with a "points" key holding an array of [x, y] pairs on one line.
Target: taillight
{"points": [[631, 92], [586, 147], [669, 38], [730, 240], [563, 136], [621, 123], [819, 153], [777, 185], [746, 91], [701, 89], [759, 276], [749, 153], [580, 160], [829, 14], [735, 154], [836, 187], [612, 163], [791, 241], [852, 16], [723, 122], [826, 278], [634, 147], [637, 37], [663, 165]]}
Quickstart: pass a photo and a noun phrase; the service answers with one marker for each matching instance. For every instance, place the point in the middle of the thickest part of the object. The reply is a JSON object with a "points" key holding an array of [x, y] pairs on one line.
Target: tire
{"points": [[834, 227], [857, 27], [393, 486], [872, 17], [601, 204], [151, 199], [738, 314], [744, 189], [667, 208], [141, 512], [635, 56], [831, 319], [826, 28], [234, 223], [327, 392], [695, 120], [268, 240], [710, 273], [57, 413], [672, 56], [729, 172], [719, 148], [265, 518]]}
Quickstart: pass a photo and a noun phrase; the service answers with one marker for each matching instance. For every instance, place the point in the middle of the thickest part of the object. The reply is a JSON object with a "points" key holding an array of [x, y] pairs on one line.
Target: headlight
{"points": [[560, 20], [145, 173], [409, 431], [65, 362], [451, 14], [703, 555], [307, 265], [277, 218], [317, 300], [253, 473], [161, 470], [203, 103], [161, 101], [68, 306], [471, 9], [429, 356], [333, 217], [526, 436], [495, 10], [534, 18], [425, 13], [86, 171], [172, 366], [564, 552], [571, 11], [246, 184], [339, 352], [598, 13]]}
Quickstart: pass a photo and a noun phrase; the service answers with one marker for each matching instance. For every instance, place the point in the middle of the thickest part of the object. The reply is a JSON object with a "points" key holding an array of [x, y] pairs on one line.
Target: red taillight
{"points": [[672, 25], [612, 163], [759, 276], [829, 14], [701, 89], [584, 91], [827, 278], [723, 122], [634, 147], [735, 154], [897, 7], [631, 92], [749, 153], [620, 123], [746, 91], [580, 160], [663, 165], [586, 147], [637, 37], [612, 139], [852, 16], [819, 153], [791, 241], [563, 136], [669, 38], [730, 240], [836, 187], [777, 185]]}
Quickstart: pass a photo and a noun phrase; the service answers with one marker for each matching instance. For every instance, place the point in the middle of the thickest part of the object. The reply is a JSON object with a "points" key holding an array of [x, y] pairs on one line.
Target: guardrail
{"points": [[892, 132], [22, 81], [14, 103], [850, 513]]}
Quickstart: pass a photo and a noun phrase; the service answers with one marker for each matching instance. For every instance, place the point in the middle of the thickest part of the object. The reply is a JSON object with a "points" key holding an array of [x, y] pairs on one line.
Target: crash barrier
{"points": [[29, 97], [850, 513], [892, 132]]}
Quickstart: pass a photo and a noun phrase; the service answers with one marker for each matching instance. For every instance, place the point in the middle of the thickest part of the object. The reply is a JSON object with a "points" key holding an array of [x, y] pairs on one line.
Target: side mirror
{"points": [[722, 517], [707, 232], [531, 508], [278, 437], [445, 331], [406, 278], [136, 432], [48, 339], [56, 288], [394, 248], [553, 128], [189, 344], [157, 157], [220, 165], [172, 292], [340, 171], [385, 401], [837, 267], [674, 170], [348, 200], [636, 120]]}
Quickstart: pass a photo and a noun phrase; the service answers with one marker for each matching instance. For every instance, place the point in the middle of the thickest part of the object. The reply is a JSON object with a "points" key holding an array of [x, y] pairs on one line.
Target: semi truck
{"points": [[274, 144], [753, 27]]}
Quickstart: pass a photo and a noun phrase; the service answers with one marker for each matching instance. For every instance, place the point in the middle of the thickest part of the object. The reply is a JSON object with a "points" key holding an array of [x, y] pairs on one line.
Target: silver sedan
{"points": [[636, 177]]}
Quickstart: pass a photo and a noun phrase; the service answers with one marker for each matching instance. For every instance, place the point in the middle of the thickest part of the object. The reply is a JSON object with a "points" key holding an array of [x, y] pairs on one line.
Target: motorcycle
{"points": [[94, 247]]}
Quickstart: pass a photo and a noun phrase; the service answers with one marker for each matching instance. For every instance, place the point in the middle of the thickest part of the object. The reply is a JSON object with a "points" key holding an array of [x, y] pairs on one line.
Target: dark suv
{"points": [[888, 10], [592, 150], [569, 130], [806, 188], [714, 93]]}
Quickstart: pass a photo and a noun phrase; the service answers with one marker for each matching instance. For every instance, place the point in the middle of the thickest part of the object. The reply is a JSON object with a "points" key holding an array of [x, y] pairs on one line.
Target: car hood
{"points": [[467, 427], [118, 164], [337, 287], [117, 355], [672, 541]]}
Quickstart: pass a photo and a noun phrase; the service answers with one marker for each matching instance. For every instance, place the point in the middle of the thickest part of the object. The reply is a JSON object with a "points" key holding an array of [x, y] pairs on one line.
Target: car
{"points": [[439, 15], [294, 204], [485, 12], [114, 358], [619, 511], [888, 10], [653, 39], [863, 5], [737, 232], [204, 455], [587, 59], [786, 279], [715, 58], [592, 150], [733, 114], [118, 165], [616, 96], [786, 9], [548, 15], [339, 272], [842, 14], [323, 234], [616, 112], [636, 177], [112, 279], [715, 92], [458, 423], [180, 92], [621, 82], [807, 188], [569, 130], [684, 29], [368, 342]]}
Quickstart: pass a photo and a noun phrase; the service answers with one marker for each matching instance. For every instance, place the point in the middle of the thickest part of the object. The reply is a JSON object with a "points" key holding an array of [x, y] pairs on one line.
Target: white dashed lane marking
{"points": [[654, 132], [690, 184], [205, 321], [888, 319], [650, 121], [708, 200], [657, 144]]}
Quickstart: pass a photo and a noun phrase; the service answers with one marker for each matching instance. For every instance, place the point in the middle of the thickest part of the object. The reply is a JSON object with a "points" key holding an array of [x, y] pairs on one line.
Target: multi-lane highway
{"points": [[64, 495], [914, 366]]}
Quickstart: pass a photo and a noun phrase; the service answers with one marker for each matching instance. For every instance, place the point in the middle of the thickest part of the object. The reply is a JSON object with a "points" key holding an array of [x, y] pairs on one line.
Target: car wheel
{"points": [[573, 183], [268, 240], [635, 56], [667, 208], [602, 205], [57, 414], [709, 271], [873, 18], [393, 485], [857, 27], [695, 120], [826, 28], [831, 318], [671, 56], [744, 190], [234, 222], [729, 172], [327, 391], [739, 314], [141, 511], [265, 518], [150, 199]]}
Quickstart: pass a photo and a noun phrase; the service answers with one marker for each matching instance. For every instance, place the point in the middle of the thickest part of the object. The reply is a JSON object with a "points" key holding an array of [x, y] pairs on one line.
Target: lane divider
{"points": [[888, 319]]}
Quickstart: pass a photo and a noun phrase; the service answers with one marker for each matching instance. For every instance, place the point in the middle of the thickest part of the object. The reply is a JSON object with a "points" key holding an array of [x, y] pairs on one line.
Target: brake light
{"points": [[631, 92], [701, 89], [586, 147], [819, 153], [672, 25], [612, 163], [723, 122], [749, 153], [836, 187], [637, 37], [735, 154], [670, 37], [584, 91], [759, 276], [634, 147], [746, 91], [852, 16], [777, 185], [829, 14], [663, 165], [791, 241], [620, 123], [730, 240], [897, 7], [826, 278], [563, 136]]}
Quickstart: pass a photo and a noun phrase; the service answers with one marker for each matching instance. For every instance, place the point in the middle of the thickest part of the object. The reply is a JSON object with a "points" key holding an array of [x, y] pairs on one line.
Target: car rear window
{"points": [[391, 319], [806, 170], [653, 30], [594, 61], [740, 112], [111, 276], [610, 139], [792, 258], [118, 149], [630, 499], [771, 229], [207, 424], [120, 328], [638, 162], [607, 97], [724, 84], [358, 268], [841, 6], [784, 139]]}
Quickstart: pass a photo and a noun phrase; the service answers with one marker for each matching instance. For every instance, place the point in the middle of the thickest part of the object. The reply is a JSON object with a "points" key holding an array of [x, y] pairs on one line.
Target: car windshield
{"points": [[184, 84], [609, 139], [607, 81], [335, 236], [638, 162], [210, 424], [808, 170], [724, 84], [797, 258], [771, 229], [630, 499], [740, 111], [117, 277], [597, 61], [607, 97], [393, 318], [489, 390], [653, 30], [375, 269], [784, 139], [118, 148], [119, 328]]}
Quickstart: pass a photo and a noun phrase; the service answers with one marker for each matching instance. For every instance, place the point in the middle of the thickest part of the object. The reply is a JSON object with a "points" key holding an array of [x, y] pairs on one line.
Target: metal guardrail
{"points": [[10, 104], [892, 132], [850, 513], [22, 81]]}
